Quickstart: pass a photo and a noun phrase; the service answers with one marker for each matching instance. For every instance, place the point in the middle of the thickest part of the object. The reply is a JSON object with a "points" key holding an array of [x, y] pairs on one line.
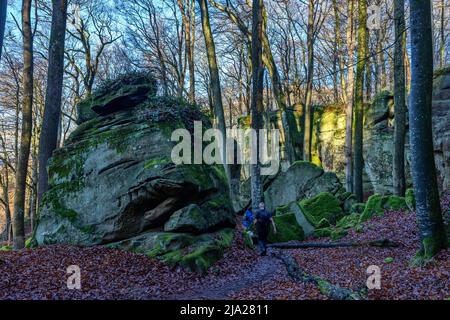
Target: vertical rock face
{"points": [[441, 127], [302, 180], [379, 138], [328, 139], [114, 182]]}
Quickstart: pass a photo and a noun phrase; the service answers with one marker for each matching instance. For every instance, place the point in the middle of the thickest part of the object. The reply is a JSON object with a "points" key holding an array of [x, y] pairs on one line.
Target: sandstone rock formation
{"points": [[328, 139], [114, 183]]}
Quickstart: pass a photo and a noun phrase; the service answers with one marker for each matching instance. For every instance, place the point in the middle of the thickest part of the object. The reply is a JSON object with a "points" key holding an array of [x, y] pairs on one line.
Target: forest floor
{"points": [[241, 274]]}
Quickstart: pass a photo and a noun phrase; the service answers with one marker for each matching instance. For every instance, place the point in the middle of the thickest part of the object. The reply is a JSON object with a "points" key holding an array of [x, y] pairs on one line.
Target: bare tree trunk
{"points": [[269, 62], [52, 110], [215, 81], [442, 36], [309, 84], [33, 190], [3, 6], [428, 209], [339, 53], [349, 100], [191, 53], [399, 100], [279, 95], [257, 98], [25, 138], [407, 65], [4, 182], [359, 101], [368, 79]]}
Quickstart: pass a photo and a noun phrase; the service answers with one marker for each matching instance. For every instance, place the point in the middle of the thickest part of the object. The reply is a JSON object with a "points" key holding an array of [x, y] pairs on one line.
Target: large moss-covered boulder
{"points": [[308, 217], [114, 179], [287, 229], [302, 180], [196, 219], [377, 204], [196, 252], [322, 210]]}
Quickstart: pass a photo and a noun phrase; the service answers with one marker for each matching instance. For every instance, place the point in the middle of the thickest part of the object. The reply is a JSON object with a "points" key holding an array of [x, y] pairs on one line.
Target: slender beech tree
{"points": [[442, 34], [3, 6], [428, 209], [216, 93], [257, 98], [350, 34], [359, 101], [399, 99], [187, 9], [52, 110], [269, 62], [309, 84], [25, 136]]}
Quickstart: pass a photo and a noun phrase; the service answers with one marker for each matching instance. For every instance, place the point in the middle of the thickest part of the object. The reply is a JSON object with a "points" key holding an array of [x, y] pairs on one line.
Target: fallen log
{"points": [[326, 288], [381, 243]]}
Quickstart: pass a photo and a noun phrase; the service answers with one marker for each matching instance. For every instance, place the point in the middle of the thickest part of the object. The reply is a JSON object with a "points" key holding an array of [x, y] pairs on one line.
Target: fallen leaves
{"points": [[241, 274]]}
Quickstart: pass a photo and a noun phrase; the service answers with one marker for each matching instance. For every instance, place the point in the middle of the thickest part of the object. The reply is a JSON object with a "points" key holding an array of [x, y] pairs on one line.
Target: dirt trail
{"points": [[264, 269]]}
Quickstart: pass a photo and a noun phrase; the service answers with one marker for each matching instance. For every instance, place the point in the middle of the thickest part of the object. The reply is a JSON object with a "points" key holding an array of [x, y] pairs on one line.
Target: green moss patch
{"points": [[378, 204], [282, 210], [5, 248], [322, 210], [196, 253], [287, 229], [389, 260]]}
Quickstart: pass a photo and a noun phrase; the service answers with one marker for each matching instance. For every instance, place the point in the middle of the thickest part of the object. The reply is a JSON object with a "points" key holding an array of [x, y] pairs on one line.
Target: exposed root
{"points": [[382, 243], [332, 291]]}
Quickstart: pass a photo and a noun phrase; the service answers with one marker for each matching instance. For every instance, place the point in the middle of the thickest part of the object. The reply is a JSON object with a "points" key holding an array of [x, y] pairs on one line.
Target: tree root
{"points": [[326, 288], [381, 243]]}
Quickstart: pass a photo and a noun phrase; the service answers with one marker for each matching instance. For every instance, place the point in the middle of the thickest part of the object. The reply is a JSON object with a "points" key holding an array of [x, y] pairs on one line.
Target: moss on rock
{"points": [[348, 222], [195, 252], [282, 210], [378, 204], [204, 254], [287, 229], [323, 232], [322, 210]]}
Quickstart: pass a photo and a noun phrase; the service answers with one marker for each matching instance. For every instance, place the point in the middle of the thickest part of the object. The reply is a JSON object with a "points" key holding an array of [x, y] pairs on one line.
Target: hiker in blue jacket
{"points": [[263, 218], [248, 219]]}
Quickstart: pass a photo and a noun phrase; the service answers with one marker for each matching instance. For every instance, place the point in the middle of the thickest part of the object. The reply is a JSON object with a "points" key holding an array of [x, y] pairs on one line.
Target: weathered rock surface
{"points": [[328, 139], [114, 178], [196, 252], [378, 145], [124, 92], [441, 127], [301, 181]]}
